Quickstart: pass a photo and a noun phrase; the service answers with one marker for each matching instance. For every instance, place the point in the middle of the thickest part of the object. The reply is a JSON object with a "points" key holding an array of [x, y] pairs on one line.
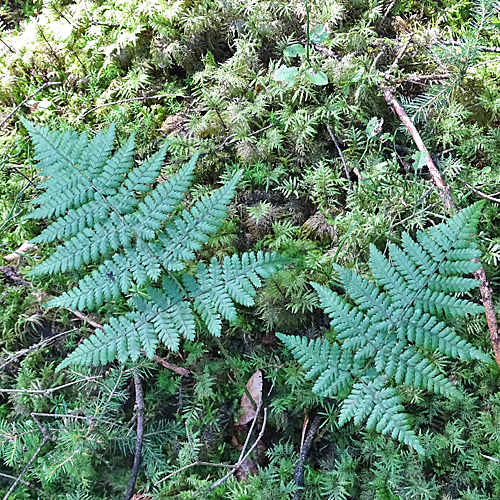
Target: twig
{"points": [[424, 78], [399, 56], [50, 390], [480, 48], [176, 369], [86, 318], [26, 483], [386, 13], [169, 366], [208, 464], [139, 406], [298, 474], [34, 347], [484, 288], [44, 86], [443, 190], [480, 193], [131, 99], [45, 440], [450, 205], [241, 461], [339, 151]]}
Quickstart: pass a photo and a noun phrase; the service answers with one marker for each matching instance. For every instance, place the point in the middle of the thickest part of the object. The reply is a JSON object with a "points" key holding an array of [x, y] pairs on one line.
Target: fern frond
{"points": [[397, 321], [117, 222], [169, 311]]}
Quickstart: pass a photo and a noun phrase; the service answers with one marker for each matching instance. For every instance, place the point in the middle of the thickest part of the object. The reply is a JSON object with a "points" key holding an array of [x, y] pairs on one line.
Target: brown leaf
{"points": [[24, 248], [249, 407]]}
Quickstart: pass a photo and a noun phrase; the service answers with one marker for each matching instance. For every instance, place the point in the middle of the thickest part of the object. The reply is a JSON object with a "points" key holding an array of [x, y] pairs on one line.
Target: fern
{"points": [[386, 338], [110, 217]]}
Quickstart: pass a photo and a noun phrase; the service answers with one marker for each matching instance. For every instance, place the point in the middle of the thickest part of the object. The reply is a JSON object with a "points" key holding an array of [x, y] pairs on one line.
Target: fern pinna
{"points": [[386, 338], [111, 218]]}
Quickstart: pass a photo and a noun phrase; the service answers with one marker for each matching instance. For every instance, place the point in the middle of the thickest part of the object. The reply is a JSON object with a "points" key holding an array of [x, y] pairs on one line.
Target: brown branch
{"points": [[450, 205], [169, 366], [139, 409], [443, 190], [491, 318], [298, 475]]}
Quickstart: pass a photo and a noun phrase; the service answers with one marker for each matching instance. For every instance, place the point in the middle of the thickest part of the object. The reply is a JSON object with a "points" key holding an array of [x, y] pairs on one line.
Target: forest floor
{"points": [[327, 109]]}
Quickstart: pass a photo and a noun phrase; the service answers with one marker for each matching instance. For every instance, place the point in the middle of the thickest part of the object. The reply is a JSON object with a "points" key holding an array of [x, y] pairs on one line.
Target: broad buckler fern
{"points": [[398, 320], [110, 218]]}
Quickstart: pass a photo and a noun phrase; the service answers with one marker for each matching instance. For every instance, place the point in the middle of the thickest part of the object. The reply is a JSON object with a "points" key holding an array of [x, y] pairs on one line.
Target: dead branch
{"points": [[481, 48], [19, 479], [34, 347], [169, 366], [341, 154], [50, 390], [298, 475], [443, 190], [183, 372], [26, 483], [450, 205], [242, 458], [491, 318], [139, 412]]}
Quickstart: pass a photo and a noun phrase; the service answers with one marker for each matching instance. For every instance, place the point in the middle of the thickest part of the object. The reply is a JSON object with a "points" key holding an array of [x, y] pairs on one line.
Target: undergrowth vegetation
{"points": [[270, 177]]}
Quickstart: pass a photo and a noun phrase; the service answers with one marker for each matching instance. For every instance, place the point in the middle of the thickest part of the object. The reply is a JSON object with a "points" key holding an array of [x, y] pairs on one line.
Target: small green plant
{"points": [[287, 74], [398, 322], [110, 217]]}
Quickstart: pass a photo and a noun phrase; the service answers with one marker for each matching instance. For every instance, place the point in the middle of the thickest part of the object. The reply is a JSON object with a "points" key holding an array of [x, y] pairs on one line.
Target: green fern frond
{"points": [[168, 313], [398, 322], [113, 219]]}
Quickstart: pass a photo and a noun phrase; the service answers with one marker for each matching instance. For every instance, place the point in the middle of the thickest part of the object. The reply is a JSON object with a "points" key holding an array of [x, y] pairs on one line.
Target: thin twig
{"points": [[39, 89], [131, 99], [34, 347], [480, 193], [241, 461], [139, 411], [45, 440], [424, 78], [399, 56], [183, 372], [50, 390], [26, 483], [386, 13], [298, 474], [339, 151], [208, 464], [480, 48]]}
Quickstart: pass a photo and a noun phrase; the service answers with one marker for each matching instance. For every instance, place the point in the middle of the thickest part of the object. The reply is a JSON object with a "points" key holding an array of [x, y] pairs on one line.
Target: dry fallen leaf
{"points": [[249, 407], [24, 248]]}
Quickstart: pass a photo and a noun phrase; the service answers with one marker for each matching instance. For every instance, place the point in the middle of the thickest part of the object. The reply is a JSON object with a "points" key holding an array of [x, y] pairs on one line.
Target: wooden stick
{"points": [[443, 190], [450, 205]]}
